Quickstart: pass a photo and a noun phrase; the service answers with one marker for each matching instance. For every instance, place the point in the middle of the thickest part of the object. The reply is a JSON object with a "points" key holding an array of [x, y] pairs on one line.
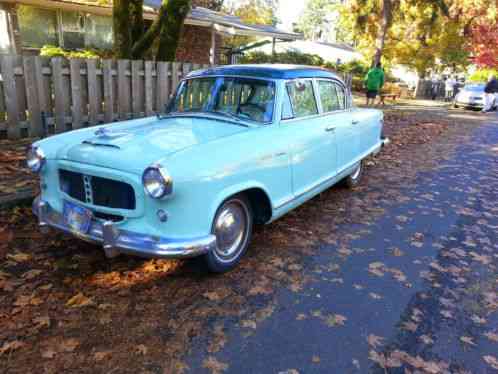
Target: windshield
{"points": [[240, 98], [474, 87]]}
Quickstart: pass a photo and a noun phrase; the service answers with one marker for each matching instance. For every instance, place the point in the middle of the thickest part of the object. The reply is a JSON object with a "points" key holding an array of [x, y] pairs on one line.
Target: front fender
{"points": [[234, 190]]}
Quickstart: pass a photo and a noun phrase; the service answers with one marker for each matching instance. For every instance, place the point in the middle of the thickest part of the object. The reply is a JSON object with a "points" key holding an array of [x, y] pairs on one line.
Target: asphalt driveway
{"points": [[398, 275]]}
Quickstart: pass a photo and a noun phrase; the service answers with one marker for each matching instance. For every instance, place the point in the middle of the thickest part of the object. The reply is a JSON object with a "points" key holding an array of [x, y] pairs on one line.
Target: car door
{"points": [[338, 120], [311, 140]]}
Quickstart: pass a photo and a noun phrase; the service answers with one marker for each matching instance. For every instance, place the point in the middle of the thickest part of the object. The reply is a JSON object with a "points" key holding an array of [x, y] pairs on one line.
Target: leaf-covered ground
{"points": [[398, 275]]}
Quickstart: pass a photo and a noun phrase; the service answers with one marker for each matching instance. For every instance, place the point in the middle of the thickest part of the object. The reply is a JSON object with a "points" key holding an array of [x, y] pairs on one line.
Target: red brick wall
{"points": [[195, 43]]}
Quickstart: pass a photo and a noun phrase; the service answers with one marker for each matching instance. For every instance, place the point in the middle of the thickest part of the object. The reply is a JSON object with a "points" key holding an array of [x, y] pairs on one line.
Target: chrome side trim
{"points": [[116, 241]]}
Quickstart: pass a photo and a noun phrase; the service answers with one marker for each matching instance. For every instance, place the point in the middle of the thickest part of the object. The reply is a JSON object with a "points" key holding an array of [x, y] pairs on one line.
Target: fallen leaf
{"points": [[375, 296], [79, 300], [69, 345], [11, 346], [491, 361], [467, 340], [48, 353], [19, 257], [99, 356], [214, 365], [409, 326], [335, 320], [491, 336], [479, 320], [41, 321], [141, 349], [31, 274], [249, 324], [375, 340], [426, 339]]}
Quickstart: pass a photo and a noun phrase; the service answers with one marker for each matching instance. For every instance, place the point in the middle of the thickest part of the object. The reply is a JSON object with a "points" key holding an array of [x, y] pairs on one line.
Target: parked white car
{"points": [[471, 96]]}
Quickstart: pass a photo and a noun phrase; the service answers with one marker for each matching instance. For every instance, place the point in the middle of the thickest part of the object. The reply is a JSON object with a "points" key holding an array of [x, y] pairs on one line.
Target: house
{"points": [[27, 25]]}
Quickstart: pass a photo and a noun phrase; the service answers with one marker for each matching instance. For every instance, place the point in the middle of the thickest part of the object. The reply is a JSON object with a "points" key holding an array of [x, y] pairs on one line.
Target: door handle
{"points": [[355, 122], [330, 129]]}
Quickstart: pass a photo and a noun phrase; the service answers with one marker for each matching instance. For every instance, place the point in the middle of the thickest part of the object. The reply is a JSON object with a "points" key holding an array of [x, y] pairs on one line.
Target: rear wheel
{"points": [[354, 178], [232, 227]]}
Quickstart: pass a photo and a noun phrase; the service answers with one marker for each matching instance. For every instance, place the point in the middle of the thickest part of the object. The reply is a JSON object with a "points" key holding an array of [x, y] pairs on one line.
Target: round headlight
{"points": [[35, 159], [157, 182]]}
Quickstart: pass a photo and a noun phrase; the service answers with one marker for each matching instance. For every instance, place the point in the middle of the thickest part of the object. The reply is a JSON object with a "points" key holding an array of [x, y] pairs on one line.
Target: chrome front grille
{"points": [[96, 190]]}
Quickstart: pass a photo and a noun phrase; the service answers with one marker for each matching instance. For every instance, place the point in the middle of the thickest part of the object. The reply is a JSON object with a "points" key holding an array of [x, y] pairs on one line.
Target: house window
{"points": [[37, 26], [73, 29], [4, 32], [98, 32]]}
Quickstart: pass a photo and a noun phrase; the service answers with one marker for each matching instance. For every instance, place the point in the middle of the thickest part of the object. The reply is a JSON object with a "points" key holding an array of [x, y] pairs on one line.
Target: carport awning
{"points": [[227, 24]]}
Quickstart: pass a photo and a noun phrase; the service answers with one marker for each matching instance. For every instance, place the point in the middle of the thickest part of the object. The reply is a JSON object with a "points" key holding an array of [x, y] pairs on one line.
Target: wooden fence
{"points": [[41, 96]]}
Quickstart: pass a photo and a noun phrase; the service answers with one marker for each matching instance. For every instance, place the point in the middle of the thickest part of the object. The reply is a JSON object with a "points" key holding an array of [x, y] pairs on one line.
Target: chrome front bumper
{"points": [[116, 241]]}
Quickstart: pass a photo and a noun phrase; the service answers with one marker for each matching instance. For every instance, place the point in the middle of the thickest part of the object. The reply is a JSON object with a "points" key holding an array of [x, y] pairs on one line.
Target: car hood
{"points": [[134, 145]]}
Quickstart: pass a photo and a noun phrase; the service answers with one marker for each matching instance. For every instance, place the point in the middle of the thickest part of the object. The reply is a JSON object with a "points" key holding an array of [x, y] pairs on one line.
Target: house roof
{"points": [[328, 51], [272, 71], [222, 23]]}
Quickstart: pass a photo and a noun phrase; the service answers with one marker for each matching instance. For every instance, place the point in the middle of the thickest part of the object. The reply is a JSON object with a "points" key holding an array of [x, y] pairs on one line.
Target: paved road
{"points": [[421, 276]]}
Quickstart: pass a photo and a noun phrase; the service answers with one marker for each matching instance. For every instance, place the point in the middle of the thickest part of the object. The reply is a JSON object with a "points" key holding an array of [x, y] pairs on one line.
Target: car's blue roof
{"points": [[272, 71]]}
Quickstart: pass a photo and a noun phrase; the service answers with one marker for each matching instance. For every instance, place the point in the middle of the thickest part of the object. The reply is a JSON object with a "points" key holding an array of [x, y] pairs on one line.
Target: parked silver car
{"points": [[471, 96]]}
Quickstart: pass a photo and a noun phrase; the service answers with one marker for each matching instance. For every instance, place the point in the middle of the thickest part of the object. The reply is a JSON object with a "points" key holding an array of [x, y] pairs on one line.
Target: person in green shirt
{"points": [[374, 80]]}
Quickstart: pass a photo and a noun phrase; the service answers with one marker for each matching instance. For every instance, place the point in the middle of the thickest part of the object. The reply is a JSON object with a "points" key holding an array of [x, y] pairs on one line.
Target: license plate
{"points": [[77, 218]]}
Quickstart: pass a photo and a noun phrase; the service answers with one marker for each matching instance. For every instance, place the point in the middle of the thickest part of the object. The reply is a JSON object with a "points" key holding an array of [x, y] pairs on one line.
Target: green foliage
{"points": [[261, 12], [283, 58], [482, 75], [356, 68], [316, 17], [53, 51]]}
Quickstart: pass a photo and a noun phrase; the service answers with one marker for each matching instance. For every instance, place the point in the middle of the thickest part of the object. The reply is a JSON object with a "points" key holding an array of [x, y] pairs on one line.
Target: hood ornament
{"points": [[103, 133]]}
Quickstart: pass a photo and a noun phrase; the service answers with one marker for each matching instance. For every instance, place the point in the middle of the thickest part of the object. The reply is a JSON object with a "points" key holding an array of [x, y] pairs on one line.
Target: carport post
{"points": [[212, 51]]}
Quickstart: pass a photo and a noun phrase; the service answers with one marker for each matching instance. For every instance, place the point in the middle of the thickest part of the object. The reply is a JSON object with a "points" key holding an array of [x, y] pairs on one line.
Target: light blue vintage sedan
{"points": [[239, 145]]}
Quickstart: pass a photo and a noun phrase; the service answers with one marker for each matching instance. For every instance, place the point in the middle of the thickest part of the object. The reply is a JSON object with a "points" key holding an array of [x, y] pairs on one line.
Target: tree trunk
{"points": [[137, 20], [176, 12], [384, 28], [130, 41], [121, 28]]}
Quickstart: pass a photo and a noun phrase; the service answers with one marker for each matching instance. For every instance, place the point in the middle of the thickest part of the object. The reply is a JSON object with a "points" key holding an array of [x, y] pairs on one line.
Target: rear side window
{"points": [[329, 96], [341, 95], [302, 98]]}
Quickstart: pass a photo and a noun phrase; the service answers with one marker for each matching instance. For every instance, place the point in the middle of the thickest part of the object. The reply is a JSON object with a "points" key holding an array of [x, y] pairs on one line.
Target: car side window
{"points": [[302, 98], [287, 107], [341, 95], [329, 96]]}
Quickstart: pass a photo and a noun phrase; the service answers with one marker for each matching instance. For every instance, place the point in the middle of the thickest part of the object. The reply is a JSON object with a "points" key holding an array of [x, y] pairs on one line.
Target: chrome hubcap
{"points": [[357, 172], [230, 230]]}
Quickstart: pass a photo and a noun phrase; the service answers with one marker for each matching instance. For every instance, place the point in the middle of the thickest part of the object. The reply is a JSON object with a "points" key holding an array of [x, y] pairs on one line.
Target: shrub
{"points": [[53, 51], [482, 75], [289, 57]]}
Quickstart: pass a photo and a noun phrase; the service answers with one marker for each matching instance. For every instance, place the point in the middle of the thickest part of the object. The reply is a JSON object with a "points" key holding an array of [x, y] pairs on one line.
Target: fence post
{"points": [[123, 90], [30, 80], [148, 88], [135, 87], [59, 107], [75, 74], [11, 103], [163, 87], [93, 95], [108, 90]]}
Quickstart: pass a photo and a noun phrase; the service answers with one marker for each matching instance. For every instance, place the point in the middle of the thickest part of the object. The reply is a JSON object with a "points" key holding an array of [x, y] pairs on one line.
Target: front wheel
{"points": [[232, 226], [353, 179]]}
